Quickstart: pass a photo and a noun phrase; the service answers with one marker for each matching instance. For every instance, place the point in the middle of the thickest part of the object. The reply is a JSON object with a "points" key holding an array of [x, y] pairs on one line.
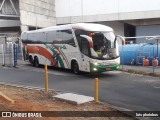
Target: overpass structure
{"points": [[128, 18], [9, 17], [21, 15], [9, 9]]}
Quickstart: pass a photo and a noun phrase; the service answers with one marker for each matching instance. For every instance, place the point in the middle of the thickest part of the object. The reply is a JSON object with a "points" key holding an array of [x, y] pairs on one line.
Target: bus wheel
{"points": [[31, 60], [75, 68], [36, 62]]}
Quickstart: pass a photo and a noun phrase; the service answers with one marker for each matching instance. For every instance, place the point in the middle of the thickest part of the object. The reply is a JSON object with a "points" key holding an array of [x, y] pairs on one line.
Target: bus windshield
{"points": [[104, 45]]}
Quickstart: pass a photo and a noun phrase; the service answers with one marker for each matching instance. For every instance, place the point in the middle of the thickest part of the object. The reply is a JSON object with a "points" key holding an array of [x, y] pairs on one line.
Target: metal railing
{"points": [[10, 51]]}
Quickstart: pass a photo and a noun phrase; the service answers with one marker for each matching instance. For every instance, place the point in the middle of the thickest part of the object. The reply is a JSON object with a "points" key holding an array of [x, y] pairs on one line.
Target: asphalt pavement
{"points": [[124, 90]]}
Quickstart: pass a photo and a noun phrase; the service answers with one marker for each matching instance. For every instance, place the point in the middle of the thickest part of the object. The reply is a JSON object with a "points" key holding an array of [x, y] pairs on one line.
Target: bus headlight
{"points": [[94, 69], [95, 64]]}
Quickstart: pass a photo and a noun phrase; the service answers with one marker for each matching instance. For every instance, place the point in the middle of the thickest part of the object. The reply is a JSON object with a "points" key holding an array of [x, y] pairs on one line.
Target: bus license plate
{"points": [[108, 68]]}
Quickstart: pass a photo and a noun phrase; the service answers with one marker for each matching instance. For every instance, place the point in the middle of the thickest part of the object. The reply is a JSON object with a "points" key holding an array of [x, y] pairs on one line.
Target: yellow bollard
{"points": [[96, 90], [46, 77]]}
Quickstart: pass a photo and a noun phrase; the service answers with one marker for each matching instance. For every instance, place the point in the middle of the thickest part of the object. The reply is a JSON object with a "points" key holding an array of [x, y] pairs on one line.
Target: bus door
{"points": [[85, 53]]}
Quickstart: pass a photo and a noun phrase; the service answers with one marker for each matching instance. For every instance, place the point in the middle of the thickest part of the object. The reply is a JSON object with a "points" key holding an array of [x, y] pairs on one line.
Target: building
{"points": [[127, 17], [21, 15]]}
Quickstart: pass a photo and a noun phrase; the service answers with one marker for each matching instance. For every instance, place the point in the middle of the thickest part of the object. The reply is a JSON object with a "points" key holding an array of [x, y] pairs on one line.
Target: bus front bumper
{"points": [[97, 68]]}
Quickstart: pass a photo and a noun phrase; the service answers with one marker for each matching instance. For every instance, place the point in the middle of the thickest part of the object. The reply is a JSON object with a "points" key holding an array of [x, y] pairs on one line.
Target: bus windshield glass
{"points": [[104, 45]]}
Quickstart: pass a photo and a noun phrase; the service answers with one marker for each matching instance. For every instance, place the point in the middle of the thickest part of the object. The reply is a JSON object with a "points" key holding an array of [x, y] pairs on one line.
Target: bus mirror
{"points": [[91, 44], [123, 42], [91, 35], [89, 39], [121, 39]]}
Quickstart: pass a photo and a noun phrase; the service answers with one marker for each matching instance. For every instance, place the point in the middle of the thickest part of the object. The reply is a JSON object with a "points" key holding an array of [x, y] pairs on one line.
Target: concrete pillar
{"points": [[24, 28], [37, 13]]}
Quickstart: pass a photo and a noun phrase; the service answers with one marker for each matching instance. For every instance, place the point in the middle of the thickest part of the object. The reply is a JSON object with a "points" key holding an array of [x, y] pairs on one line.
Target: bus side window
{"points": [[79, 32], [58, 37], [41, 37], [54, 37], [68, 37], [50, 37], [31, 37], [79, 42], [84, 47]]}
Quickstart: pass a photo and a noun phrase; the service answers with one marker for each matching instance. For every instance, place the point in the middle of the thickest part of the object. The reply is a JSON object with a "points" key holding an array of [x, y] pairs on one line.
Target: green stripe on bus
{"points": [[59, 58], [61, 62], [65, 58]]}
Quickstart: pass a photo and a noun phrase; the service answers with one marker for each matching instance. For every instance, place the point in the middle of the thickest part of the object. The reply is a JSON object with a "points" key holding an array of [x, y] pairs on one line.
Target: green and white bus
{"points": [[84, 47]]}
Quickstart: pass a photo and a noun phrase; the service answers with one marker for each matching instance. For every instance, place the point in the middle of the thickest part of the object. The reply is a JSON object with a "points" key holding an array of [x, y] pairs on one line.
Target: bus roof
{"points": [[84, 26], [92, 27]]}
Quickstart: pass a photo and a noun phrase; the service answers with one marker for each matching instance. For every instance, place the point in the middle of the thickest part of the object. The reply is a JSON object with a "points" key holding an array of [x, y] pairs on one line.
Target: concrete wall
{"points": [[9, 17], [117, 27], [149, 30], [37, 13], [71, 11], [9, 23], [7, 11]]}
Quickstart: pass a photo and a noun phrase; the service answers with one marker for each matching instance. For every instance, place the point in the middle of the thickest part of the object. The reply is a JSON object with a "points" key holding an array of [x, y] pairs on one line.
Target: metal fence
{"points": [[10, 51]]}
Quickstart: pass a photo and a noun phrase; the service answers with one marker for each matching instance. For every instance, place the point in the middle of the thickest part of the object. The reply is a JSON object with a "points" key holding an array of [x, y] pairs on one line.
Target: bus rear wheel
{"points": [[75, 68], [31, 60], [36, 62]]}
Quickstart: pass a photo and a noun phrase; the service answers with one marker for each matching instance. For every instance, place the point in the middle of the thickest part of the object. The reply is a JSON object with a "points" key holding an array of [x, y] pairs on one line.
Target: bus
{"points": [[87, 47]]}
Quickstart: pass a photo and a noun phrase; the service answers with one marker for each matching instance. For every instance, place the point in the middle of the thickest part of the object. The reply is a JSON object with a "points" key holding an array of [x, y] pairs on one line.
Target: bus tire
{"points": [[31, 60], [36, 62], [75, 67]]}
